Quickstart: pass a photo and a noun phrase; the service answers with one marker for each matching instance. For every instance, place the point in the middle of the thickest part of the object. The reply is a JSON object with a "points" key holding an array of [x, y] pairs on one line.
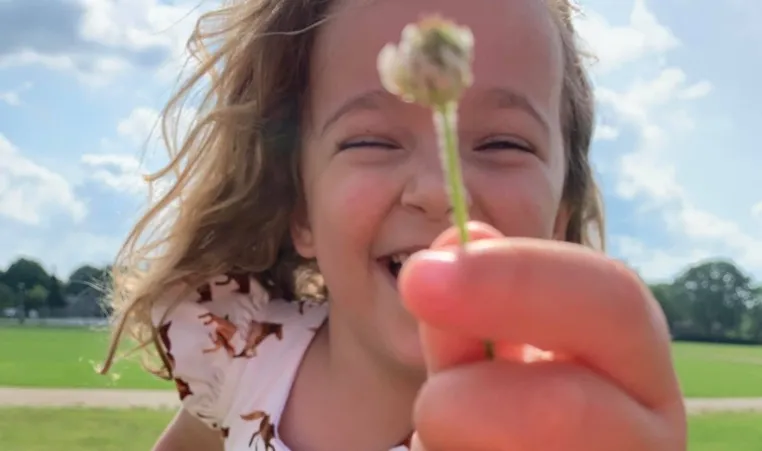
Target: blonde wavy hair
{"points": [[235, 176]]}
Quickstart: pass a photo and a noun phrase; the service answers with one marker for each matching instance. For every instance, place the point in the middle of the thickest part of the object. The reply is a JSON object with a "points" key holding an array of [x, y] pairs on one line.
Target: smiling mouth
{"points": [[393, 263]]}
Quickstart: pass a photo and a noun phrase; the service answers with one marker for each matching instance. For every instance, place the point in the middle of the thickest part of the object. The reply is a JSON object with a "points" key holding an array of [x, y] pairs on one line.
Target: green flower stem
{"points": [[446, 119]]}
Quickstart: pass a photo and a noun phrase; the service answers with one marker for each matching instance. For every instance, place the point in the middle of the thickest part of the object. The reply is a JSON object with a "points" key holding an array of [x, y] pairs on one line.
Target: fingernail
{"points": [[476, 231], [431, 263], [437, 256], [426, 274]]}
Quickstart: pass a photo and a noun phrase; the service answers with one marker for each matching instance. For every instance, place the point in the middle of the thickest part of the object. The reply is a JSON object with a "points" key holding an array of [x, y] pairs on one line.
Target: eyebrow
{"points": [[500, 97], [510, 99], [368, 101]]}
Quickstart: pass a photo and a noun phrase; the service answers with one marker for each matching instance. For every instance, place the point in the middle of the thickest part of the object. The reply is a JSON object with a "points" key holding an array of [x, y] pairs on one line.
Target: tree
{"points": [[55, 299], [83, 279], [35, 298], [673, 309], [8, 297], [26, 272], [716, 295], [755, 323]]}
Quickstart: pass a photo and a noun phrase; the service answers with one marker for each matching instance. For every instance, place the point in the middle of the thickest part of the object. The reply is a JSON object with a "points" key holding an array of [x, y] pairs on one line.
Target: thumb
{"points": [[444, 349], [476, 231]]}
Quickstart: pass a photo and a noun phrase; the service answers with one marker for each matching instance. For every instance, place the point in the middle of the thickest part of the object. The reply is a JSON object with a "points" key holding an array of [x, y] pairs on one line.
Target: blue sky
{"points": [[677, 154]]}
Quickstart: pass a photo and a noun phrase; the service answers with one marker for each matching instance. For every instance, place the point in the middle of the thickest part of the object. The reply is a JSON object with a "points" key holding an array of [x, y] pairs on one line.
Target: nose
{"points": [[426, 191]]}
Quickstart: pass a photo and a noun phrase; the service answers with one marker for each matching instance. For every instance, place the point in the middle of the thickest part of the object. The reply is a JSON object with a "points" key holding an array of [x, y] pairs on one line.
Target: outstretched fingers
{"points": [[545, 406], [555, 296]]}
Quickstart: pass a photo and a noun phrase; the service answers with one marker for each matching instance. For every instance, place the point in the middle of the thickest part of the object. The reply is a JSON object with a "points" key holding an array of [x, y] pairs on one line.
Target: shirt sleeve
{"points": [[207, 340]]}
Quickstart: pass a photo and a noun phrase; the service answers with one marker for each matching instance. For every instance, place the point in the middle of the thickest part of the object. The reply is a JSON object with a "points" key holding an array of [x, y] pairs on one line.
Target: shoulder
{"points": [[225, 329]]}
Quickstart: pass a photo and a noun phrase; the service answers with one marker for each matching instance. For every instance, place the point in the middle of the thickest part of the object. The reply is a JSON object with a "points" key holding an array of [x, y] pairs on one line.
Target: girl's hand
{"points": [[615, 388]]}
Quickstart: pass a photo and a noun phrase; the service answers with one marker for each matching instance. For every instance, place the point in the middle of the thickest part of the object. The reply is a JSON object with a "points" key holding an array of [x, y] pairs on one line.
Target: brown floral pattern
{"points": [[243, 280], [224, 332], [229, 321], [204, 293], [265, 431], [163, 332], [258, 332], [183, 388]]}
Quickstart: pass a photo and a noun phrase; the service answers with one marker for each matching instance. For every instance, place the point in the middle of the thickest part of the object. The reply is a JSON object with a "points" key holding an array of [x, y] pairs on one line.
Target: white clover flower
{"points": [[431, 65]]}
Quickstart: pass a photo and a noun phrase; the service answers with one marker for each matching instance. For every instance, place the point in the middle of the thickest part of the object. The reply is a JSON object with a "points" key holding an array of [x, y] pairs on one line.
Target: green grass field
{"points": [[32, 429], [710, 370], [60, 358], [46, 357], [64, 358], [36, 429]]}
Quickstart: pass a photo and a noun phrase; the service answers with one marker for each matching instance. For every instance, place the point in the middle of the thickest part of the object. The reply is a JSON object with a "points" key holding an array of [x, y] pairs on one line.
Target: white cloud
{"points": [[139, 126], [29, 192], [121, 173], [660, 107], [655, 264], [13, 96], [615, 46], [605, 132], [133, 24], [696, 91], [97, 40], [640, 101], [142, 127], [756, 211], [94, 71], [125, 172], [10, 97], [60, 253], [654, 108]]}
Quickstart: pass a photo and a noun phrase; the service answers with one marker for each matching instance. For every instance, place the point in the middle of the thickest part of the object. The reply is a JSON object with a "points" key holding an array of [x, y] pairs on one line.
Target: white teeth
{"points": [[400, 258]]}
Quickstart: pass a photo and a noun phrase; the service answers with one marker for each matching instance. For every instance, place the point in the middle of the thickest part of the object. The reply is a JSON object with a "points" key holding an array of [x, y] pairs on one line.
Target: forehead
{"points": [[517, 45]]}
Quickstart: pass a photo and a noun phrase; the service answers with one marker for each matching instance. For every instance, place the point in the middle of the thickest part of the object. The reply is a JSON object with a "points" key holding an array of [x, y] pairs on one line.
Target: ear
{"points": [[302, 236], [561, 224]]}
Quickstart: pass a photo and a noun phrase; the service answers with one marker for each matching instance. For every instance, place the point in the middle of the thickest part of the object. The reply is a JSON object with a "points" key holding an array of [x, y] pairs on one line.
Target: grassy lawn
{"points": [[32, 429], [50, 357], [711, 370], [725, 432], [65, 357]]}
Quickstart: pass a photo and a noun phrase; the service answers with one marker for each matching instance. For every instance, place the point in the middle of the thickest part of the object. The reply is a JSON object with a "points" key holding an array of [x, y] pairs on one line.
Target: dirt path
{"points": [[158, 399], [45, 397], [709, 405]]}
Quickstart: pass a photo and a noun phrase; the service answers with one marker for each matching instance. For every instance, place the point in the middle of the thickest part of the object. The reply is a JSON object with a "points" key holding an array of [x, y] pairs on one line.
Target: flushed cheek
{"points": [[352, 207], [522, 204]]}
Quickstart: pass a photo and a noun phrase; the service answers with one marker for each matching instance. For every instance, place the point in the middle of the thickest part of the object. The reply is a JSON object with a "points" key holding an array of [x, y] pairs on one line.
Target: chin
{"points": [[404, 344], [398, 329]]}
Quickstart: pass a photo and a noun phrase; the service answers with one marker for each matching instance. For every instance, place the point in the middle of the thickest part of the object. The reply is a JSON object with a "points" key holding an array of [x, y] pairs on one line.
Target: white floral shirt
{"points": [[234, 355]]}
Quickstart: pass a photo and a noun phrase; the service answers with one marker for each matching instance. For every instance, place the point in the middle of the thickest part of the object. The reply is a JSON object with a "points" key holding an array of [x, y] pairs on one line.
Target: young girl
{"points": [[278, 299]]}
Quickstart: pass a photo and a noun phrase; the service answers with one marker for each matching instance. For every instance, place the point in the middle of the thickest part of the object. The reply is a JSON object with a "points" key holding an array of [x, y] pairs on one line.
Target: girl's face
{"points": [[374, 185]]}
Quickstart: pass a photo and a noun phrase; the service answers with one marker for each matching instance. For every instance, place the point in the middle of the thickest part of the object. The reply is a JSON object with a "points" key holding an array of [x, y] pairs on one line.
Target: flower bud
{"points": [[431, 65]]}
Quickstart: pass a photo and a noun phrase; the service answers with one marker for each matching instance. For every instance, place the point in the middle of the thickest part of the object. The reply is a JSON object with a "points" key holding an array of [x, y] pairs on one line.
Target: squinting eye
{"points": [[367, 144], [504, 144]]}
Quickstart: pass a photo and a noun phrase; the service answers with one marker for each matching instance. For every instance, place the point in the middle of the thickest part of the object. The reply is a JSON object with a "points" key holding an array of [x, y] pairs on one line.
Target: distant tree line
{"points": [[710, 301], [26, 288]]}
